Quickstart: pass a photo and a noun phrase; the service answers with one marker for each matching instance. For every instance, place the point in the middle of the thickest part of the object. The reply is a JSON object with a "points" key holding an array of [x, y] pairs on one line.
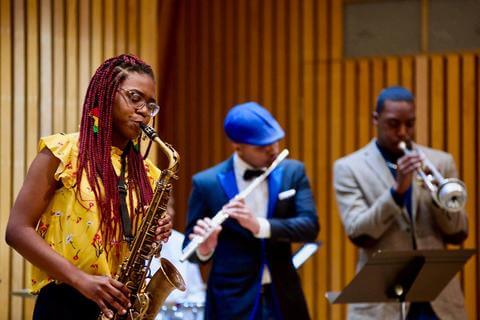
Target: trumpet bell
{"points": [[451, 195]]}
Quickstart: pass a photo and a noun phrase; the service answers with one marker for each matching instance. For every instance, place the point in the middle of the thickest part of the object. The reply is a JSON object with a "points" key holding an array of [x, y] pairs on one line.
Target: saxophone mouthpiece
{"points": [[149, 131]]}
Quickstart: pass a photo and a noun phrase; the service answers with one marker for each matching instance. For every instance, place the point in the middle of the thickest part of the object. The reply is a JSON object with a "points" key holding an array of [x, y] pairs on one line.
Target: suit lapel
{"points": [[227, 180], [274, 185], [377, 165]]}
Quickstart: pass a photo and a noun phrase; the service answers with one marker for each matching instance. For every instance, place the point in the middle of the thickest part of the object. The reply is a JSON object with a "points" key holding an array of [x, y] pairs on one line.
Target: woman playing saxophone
{"points": [[67, 219]]}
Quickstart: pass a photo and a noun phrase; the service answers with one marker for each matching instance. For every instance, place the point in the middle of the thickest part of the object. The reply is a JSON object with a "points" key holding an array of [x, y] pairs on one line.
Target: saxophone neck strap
{"points": [[122, 195]]}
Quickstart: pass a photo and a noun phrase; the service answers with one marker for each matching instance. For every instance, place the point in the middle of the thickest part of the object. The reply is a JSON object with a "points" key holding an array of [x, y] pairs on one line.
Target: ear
{"points": [[375, 117]]}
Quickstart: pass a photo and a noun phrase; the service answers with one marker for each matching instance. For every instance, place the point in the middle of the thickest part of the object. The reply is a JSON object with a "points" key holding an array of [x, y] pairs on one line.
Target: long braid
{"points": [[95, 148]]}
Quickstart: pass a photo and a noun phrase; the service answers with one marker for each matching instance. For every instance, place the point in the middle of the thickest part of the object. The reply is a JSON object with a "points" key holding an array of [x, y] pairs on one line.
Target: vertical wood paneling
{"points": [[16, 276], [46, 67], [294, 101], [322, 168], [285, 54], [350, 143], [58, 100], [6, 172], [453, 107], [218, 91], [32, 103], [308, 148], [468, 125], [407, 80], [288, 56], [278, 74], [47, 55], [422, 100], [365, 105], [437, 102], [72, 91]]}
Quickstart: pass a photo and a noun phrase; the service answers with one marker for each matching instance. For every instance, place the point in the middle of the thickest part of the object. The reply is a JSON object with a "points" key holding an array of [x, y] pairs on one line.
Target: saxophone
{"points": [[146, 299]]}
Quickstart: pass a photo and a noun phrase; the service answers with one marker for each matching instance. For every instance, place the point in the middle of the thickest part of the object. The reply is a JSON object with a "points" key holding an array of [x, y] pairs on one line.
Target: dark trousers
{"points": [[421, 311], [267, 309], [62, 302]]}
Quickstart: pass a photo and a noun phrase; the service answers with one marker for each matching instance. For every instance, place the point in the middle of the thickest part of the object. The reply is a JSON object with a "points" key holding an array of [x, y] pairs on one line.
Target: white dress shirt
{"points": [[256, 201]]}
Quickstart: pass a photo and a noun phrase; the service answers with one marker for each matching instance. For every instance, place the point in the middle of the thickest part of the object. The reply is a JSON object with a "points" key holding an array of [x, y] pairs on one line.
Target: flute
{"points": [[221, 215]]}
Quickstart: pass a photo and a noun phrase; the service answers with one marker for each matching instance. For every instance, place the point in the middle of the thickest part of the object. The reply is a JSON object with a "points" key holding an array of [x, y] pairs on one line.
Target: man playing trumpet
{"points": [[252, 276], [383, 209]]}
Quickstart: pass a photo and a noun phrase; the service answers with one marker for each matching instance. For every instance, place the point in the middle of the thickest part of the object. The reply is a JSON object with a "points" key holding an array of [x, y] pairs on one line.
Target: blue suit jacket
{"points": [[234, 284]]}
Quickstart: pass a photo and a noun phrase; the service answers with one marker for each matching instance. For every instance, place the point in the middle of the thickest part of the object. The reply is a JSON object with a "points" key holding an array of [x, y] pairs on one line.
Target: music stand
{"points": [[403, 276]]}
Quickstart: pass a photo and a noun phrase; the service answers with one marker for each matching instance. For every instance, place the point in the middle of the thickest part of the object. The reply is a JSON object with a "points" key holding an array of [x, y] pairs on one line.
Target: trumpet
{"points": [[450, 194]]}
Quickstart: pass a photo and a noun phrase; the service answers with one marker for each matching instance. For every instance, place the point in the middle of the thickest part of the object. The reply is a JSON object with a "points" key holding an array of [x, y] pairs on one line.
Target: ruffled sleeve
{"points": [[65, 148]]}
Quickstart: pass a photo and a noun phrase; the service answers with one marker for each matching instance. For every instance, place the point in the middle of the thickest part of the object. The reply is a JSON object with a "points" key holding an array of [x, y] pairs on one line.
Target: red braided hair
{"points": [[95, 149]]}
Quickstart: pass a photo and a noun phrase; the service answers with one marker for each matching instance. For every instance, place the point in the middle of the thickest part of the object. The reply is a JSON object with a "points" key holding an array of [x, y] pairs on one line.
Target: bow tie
{"points": [[249, 174]]}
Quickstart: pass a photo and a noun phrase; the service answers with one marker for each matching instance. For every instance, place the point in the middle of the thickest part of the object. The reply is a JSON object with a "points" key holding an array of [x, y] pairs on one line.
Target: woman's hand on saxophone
{"points": [[106, 292], [201, 229], [164, 228]]}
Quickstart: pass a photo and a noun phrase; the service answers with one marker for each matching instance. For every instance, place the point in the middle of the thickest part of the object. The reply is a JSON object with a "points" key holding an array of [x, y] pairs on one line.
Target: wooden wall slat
{"points": [[350, 145], [307, 147], [294, 101], [378, 79], [58, 53], [321, 178], [438, 102], [96, 40], [452, 107], [468, 125], [46, 67], [132, 21], [121, 27], [277, 76], [267, 52], [16, 274], [6, 135], [72, 65], [83, 47], [406, 67], [218, 91], [32, 102], [365, 98], [393, 72], [422, 100], [109, 29]]}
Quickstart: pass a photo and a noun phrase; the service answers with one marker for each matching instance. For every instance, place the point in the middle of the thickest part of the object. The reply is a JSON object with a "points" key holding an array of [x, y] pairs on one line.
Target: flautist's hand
{"points": [[245, 217], [201, 228]]}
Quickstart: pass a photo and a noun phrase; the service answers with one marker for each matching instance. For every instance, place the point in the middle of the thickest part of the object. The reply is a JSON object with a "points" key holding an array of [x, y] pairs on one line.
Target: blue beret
{"points": [[250, 123], [395, 93]]}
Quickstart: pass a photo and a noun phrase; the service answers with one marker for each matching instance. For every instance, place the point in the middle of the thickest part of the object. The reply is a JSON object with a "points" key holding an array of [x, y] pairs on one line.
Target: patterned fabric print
{"points": [[70, 224]]}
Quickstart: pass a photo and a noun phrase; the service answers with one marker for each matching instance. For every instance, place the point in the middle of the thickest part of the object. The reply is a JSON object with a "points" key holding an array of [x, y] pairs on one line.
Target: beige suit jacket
{"points": [[362, 184]]}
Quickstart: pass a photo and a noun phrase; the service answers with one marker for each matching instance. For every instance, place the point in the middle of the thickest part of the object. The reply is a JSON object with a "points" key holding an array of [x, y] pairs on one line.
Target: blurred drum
{"points": [[185, 311]]}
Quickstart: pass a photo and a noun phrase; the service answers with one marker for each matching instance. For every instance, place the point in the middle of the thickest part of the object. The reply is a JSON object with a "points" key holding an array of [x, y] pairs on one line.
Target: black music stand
{"points": [[403, 276]]}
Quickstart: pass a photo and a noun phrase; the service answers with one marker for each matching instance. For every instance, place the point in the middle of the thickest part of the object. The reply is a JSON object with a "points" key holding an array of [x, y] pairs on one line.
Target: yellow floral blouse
{"points": [[70, 223]]}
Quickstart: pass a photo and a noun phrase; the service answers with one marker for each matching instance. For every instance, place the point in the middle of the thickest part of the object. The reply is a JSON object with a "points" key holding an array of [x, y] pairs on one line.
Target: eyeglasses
{"points": [[137, 100]]}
